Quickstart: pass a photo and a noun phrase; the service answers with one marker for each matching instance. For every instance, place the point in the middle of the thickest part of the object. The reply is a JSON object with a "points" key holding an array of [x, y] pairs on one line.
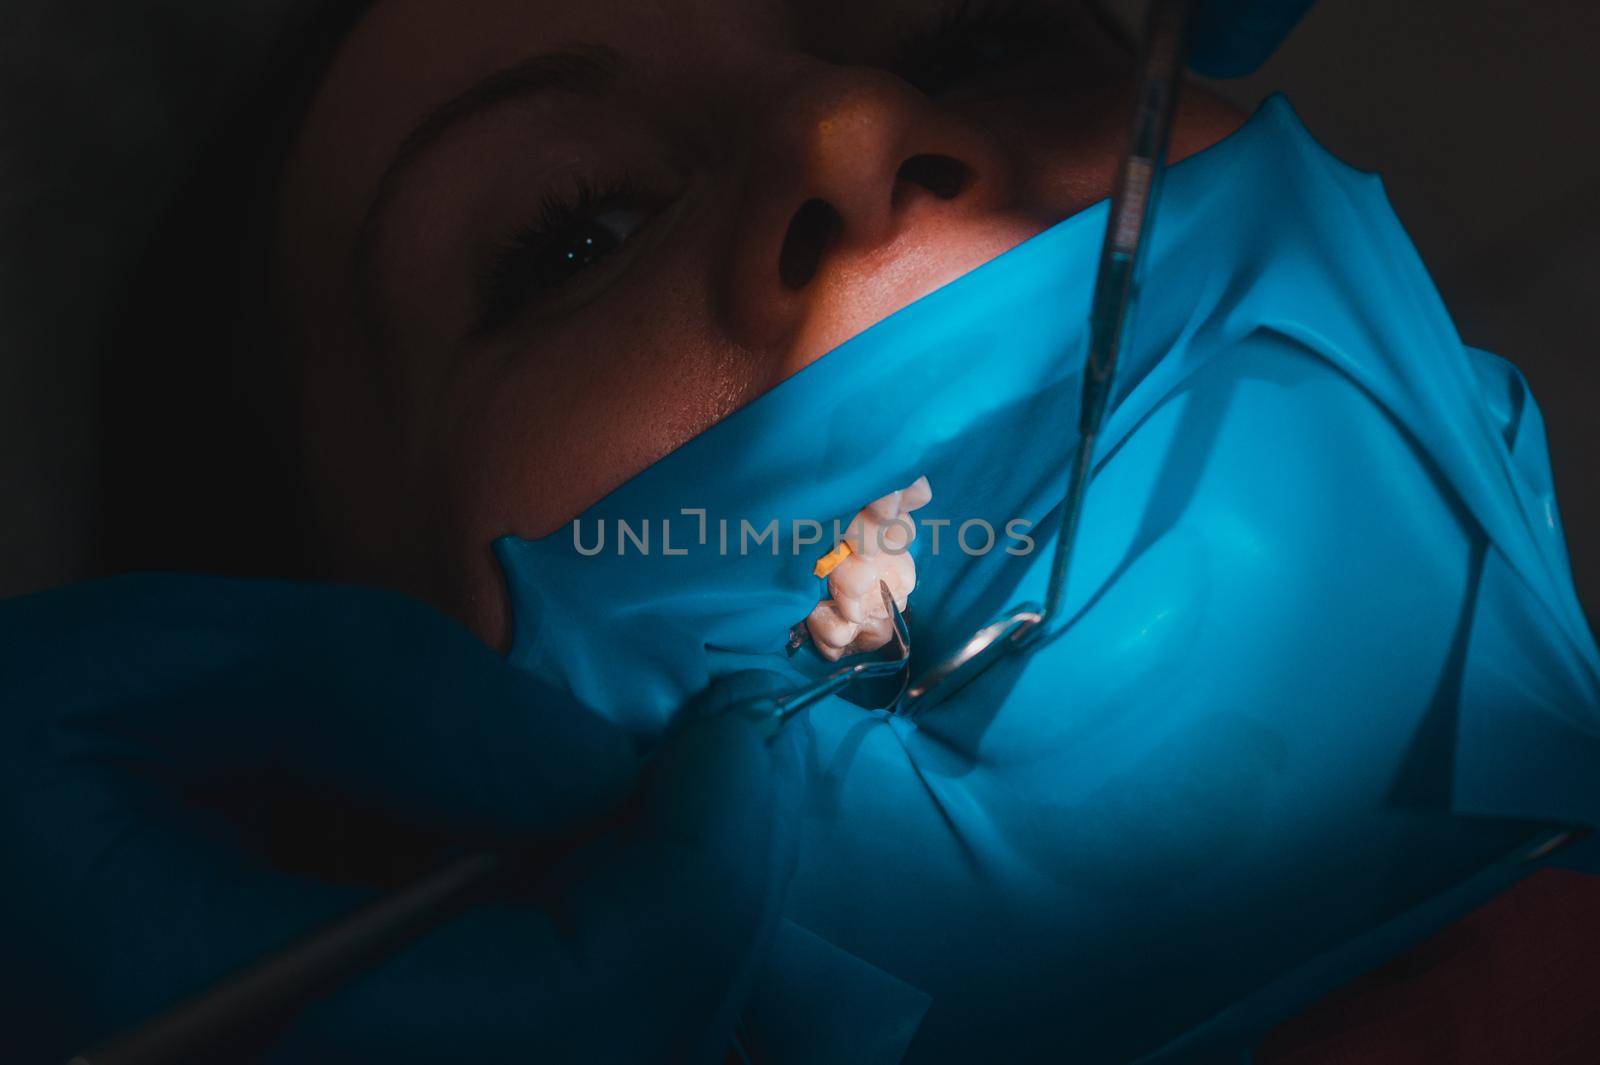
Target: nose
{"points": [[861, 194]]}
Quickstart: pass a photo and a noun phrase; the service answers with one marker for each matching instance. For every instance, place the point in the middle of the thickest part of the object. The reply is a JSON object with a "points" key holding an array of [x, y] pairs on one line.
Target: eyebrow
{"points": [[584, 68]]}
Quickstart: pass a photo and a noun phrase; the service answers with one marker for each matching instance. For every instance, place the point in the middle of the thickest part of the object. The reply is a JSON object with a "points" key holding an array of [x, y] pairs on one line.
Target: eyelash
{"points": [[517, 273], [939, 54]]}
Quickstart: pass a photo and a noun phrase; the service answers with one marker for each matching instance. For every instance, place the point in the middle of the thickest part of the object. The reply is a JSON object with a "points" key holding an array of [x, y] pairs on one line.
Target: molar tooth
{"points": [[898, 534], [851, 607], [873, 635], [872, 609], [899, 572], [853, 578], [831, 631]]}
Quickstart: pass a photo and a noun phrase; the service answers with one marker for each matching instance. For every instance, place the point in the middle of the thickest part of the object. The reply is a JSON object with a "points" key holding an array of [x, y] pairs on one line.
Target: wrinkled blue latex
{"points": [[1327, 666]]}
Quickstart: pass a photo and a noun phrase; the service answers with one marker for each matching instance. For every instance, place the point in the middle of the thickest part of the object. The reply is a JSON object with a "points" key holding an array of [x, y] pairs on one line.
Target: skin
{"points": [[432, 437]]}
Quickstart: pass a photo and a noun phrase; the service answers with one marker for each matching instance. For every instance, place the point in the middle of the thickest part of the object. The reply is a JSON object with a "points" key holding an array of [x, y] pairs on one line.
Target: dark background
{"points": [[1480, 114]]}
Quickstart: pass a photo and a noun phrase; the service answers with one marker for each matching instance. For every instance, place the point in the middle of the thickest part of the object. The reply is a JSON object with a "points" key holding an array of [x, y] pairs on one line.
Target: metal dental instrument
{"points": [[1116, 286], [1133, 201], [785, 707]]}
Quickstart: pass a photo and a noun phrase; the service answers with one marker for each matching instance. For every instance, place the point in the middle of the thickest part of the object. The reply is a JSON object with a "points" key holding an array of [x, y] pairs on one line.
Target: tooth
{"points": [[874, 548], [862, 534], [884, 509], [917, 494], [853, 578], [874, 634], [898, 534], [831, 631], [832, 654], [854, 609], [872, 609], [899, 572]]}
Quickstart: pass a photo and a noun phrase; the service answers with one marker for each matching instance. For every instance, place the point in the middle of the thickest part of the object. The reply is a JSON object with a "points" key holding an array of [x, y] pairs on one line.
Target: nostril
{"points": [[811, 230], [939, 174]]}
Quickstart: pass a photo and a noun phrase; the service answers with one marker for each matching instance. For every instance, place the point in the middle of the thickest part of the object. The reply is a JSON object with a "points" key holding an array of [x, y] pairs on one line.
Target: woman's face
{"points": [[531, 247]]}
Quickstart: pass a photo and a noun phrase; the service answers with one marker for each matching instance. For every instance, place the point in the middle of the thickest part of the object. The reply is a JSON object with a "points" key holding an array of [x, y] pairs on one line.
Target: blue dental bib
{"points": [[1326, 668]]}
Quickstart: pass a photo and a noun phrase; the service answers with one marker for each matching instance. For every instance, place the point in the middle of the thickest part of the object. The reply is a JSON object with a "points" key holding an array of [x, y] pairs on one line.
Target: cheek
{"points": [[1203, 119], [1074, 144], [536, 437]]}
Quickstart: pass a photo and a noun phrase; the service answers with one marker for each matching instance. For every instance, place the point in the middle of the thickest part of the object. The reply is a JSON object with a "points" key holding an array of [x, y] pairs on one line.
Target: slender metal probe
{"points": [[789, 705], [1133, 201]]}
